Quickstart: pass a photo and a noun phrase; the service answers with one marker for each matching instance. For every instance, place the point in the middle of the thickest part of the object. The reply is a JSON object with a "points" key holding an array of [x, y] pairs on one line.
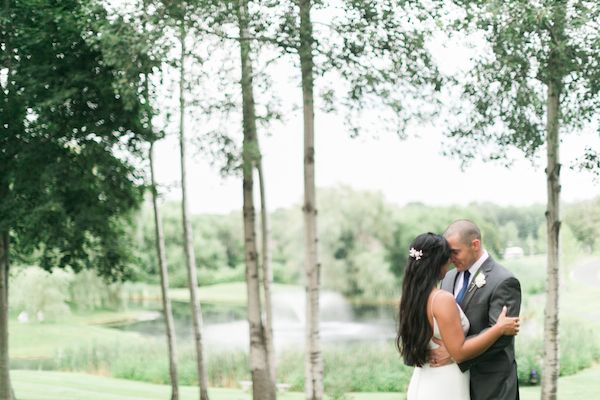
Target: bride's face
{"points": [[445, 269]]}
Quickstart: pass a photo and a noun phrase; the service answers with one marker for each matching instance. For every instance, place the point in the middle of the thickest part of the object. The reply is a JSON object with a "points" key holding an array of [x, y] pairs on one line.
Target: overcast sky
{"points": [[403, 170]]}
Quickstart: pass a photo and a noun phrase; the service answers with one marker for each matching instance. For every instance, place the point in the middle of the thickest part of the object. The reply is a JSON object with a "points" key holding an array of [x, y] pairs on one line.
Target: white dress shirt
{"points": [[472, 270]]}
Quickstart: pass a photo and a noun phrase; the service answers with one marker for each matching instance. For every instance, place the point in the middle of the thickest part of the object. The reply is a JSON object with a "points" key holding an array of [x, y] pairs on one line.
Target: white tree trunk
{"points": [[164, 283], [263, 388], [267, 272], [551, 365], [190, 257], [313, 377]]}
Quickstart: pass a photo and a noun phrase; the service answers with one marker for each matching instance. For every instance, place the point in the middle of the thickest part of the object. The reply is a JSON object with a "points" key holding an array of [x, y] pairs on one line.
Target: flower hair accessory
{"points": [[416, 254]]}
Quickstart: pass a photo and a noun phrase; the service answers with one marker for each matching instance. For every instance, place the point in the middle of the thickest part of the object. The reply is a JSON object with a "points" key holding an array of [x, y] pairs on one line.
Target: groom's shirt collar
{"points": [[477, 264], [472, 270]]}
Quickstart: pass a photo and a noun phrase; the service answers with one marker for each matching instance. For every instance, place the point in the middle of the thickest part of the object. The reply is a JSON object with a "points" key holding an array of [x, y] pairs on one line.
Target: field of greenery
{"points": [[81, 343], [362, 239], [361, 251]]}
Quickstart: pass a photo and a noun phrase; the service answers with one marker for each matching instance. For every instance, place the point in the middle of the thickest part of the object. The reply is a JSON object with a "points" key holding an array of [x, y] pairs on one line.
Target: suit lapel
{"points": [[485, 268], [449, 281]]}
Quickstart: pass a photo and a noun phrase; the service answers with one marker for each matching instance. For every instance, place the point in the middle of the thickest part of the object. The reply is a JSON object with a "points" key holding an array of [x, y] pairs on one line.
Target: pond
{"points": [[226, 326]]}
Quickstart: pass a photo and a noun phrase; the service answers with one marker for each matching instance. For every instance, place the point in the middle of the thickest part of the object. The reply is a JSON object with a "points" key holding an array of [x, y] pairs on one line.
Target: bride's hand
{"points": [[508, 325]]}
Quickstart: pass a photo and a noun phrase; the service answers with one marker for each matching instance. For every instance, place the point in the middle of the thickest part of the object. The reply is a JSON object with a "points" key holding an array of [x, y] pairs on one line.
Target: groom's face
{"points": [[463, 255]]}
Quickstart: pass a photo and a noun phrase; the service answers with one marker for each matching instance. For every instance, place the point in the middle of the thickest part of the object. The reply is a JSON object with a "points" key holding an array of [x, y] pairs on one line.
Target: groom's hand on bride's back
{"points": [[440, 356]]}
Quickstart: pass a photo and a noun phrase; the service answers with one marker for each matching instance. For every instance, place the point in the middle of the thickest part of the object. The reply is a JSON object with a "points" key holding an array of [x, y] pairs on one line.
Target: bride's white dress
{"points": [[447, 382]]}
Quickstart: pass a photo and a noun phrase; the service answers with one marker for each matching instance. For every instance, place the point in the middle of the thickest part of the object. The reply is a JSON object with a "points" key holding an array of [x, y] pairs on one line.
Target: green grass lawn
{"points": [[581, 386], [44, 385], [43, 340]]}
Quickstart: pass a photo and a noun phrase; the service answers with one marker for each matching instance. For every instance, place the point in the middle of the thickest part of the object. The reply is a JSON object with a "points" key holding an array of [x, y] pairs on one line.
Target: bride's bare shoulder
{"points": [[443, 300]]}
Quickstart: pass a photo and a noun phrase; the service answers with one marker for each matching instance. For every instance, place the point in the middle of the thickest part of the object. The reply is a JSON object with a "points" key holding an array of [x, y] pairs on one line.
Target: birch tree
{"points": [[149, 34], [371, 46], [145, 45], [378, 51], [266, 269], [313, 381], [223, 19], [188, 241], [164, 281], [263, 387], [539, 78]]}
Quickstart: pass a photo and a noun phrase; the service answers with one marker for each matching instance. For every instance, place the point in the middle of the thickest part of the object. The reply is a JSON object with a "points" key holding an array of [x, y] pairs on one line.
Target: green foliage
{"points": [[529, 358], [353, 368], [531, 272], [217, 241], [378, 49], [363, 246], [531, 46], [367, 368], [583, 218], [68, 139], [88, 291], [353, 228], [38, 292], [579, 349]]}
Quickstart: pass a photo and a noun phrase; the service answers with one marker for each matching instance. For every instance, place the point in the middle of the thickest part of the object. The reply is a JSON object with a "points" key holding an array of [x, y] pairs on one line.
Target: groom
{"points": [[481, 288]]}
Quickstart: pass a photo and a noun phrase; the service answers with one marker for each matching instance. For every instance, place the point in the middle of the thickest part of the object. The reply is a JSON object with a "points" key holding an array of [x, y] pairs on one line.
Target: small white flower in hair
{"points": [[416, 254]]}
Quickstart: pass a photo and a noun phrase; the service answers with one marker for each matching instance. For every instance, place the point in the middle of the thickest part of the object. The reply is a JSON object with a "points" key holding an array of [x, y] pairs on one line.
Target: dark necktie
{"points": [[463, 291]]}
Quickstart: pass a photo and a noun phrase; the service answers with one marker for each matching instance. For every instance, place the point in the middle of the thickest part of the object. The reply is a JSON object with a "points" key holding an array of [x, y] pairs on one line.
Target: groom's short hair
{"points": [[466, 229]]}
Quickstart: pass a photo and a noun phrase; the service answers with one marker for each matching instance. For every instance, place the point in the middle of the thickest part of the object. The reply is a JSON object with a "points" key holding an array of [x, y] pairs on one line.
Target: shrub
{"points": [[40, 294], [579, 348]]}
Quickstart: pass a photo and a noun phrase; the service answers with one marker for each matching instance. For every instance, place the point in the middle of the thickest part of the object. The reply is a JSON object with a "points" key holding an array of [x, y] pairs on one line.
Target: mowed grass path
{"points": [[45, 385], [50, 385]]}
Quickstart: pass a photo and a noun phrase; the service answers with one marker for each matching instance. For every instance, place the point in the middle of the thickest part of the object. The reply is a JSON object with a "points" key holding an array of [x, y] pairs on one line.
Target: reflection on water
{"points": [[226, 326]]}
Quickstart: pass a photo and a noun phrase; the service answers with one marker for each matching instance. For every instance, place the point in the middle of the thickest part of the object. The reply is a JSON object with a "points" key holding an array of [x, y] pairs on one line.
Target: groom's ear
{"points": [[476, 243]]}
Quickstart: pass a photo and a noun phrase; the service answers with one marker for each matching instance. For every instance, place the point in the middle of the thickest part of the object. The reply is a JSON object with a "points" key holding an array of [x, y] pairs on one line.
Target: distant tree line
{"points": [[363, 239]]}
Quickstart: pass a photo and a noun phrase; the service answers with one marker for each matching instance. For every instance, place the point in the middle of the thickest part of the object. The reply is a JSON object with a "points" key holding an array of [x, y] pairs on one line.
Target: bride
{"points": [[428, 314]]}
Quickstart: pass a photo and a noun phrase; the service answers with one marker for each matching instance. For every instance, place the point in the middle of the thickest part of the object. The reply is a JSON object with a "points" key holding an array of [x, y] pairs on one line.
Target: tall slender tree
{"points": [[313, 381], [190, 256], [263, 387], [136, 49], [149, 34], [266, 269], [371, 46], [164, 281], [375, 46], [540, 77], [223, 15]]}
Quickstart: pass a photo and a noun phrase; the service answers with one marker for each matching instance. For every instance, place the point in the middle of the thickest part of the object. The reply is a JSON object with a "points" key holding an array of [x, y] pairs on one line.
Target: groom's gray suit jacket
{"points": [[493, 373]]}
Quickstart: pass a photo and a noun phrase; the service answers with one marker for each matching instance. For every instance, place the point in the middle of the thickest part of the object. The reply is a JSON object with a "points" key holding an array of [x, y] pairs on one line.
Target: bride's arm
{"points": [[448, 319]]}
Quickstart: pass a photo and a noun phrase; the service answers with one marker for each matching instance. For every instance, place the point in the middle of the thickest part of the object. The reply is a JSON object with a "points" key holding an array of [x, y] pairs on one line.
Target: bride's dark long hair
{"points": [[420, 277]]}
